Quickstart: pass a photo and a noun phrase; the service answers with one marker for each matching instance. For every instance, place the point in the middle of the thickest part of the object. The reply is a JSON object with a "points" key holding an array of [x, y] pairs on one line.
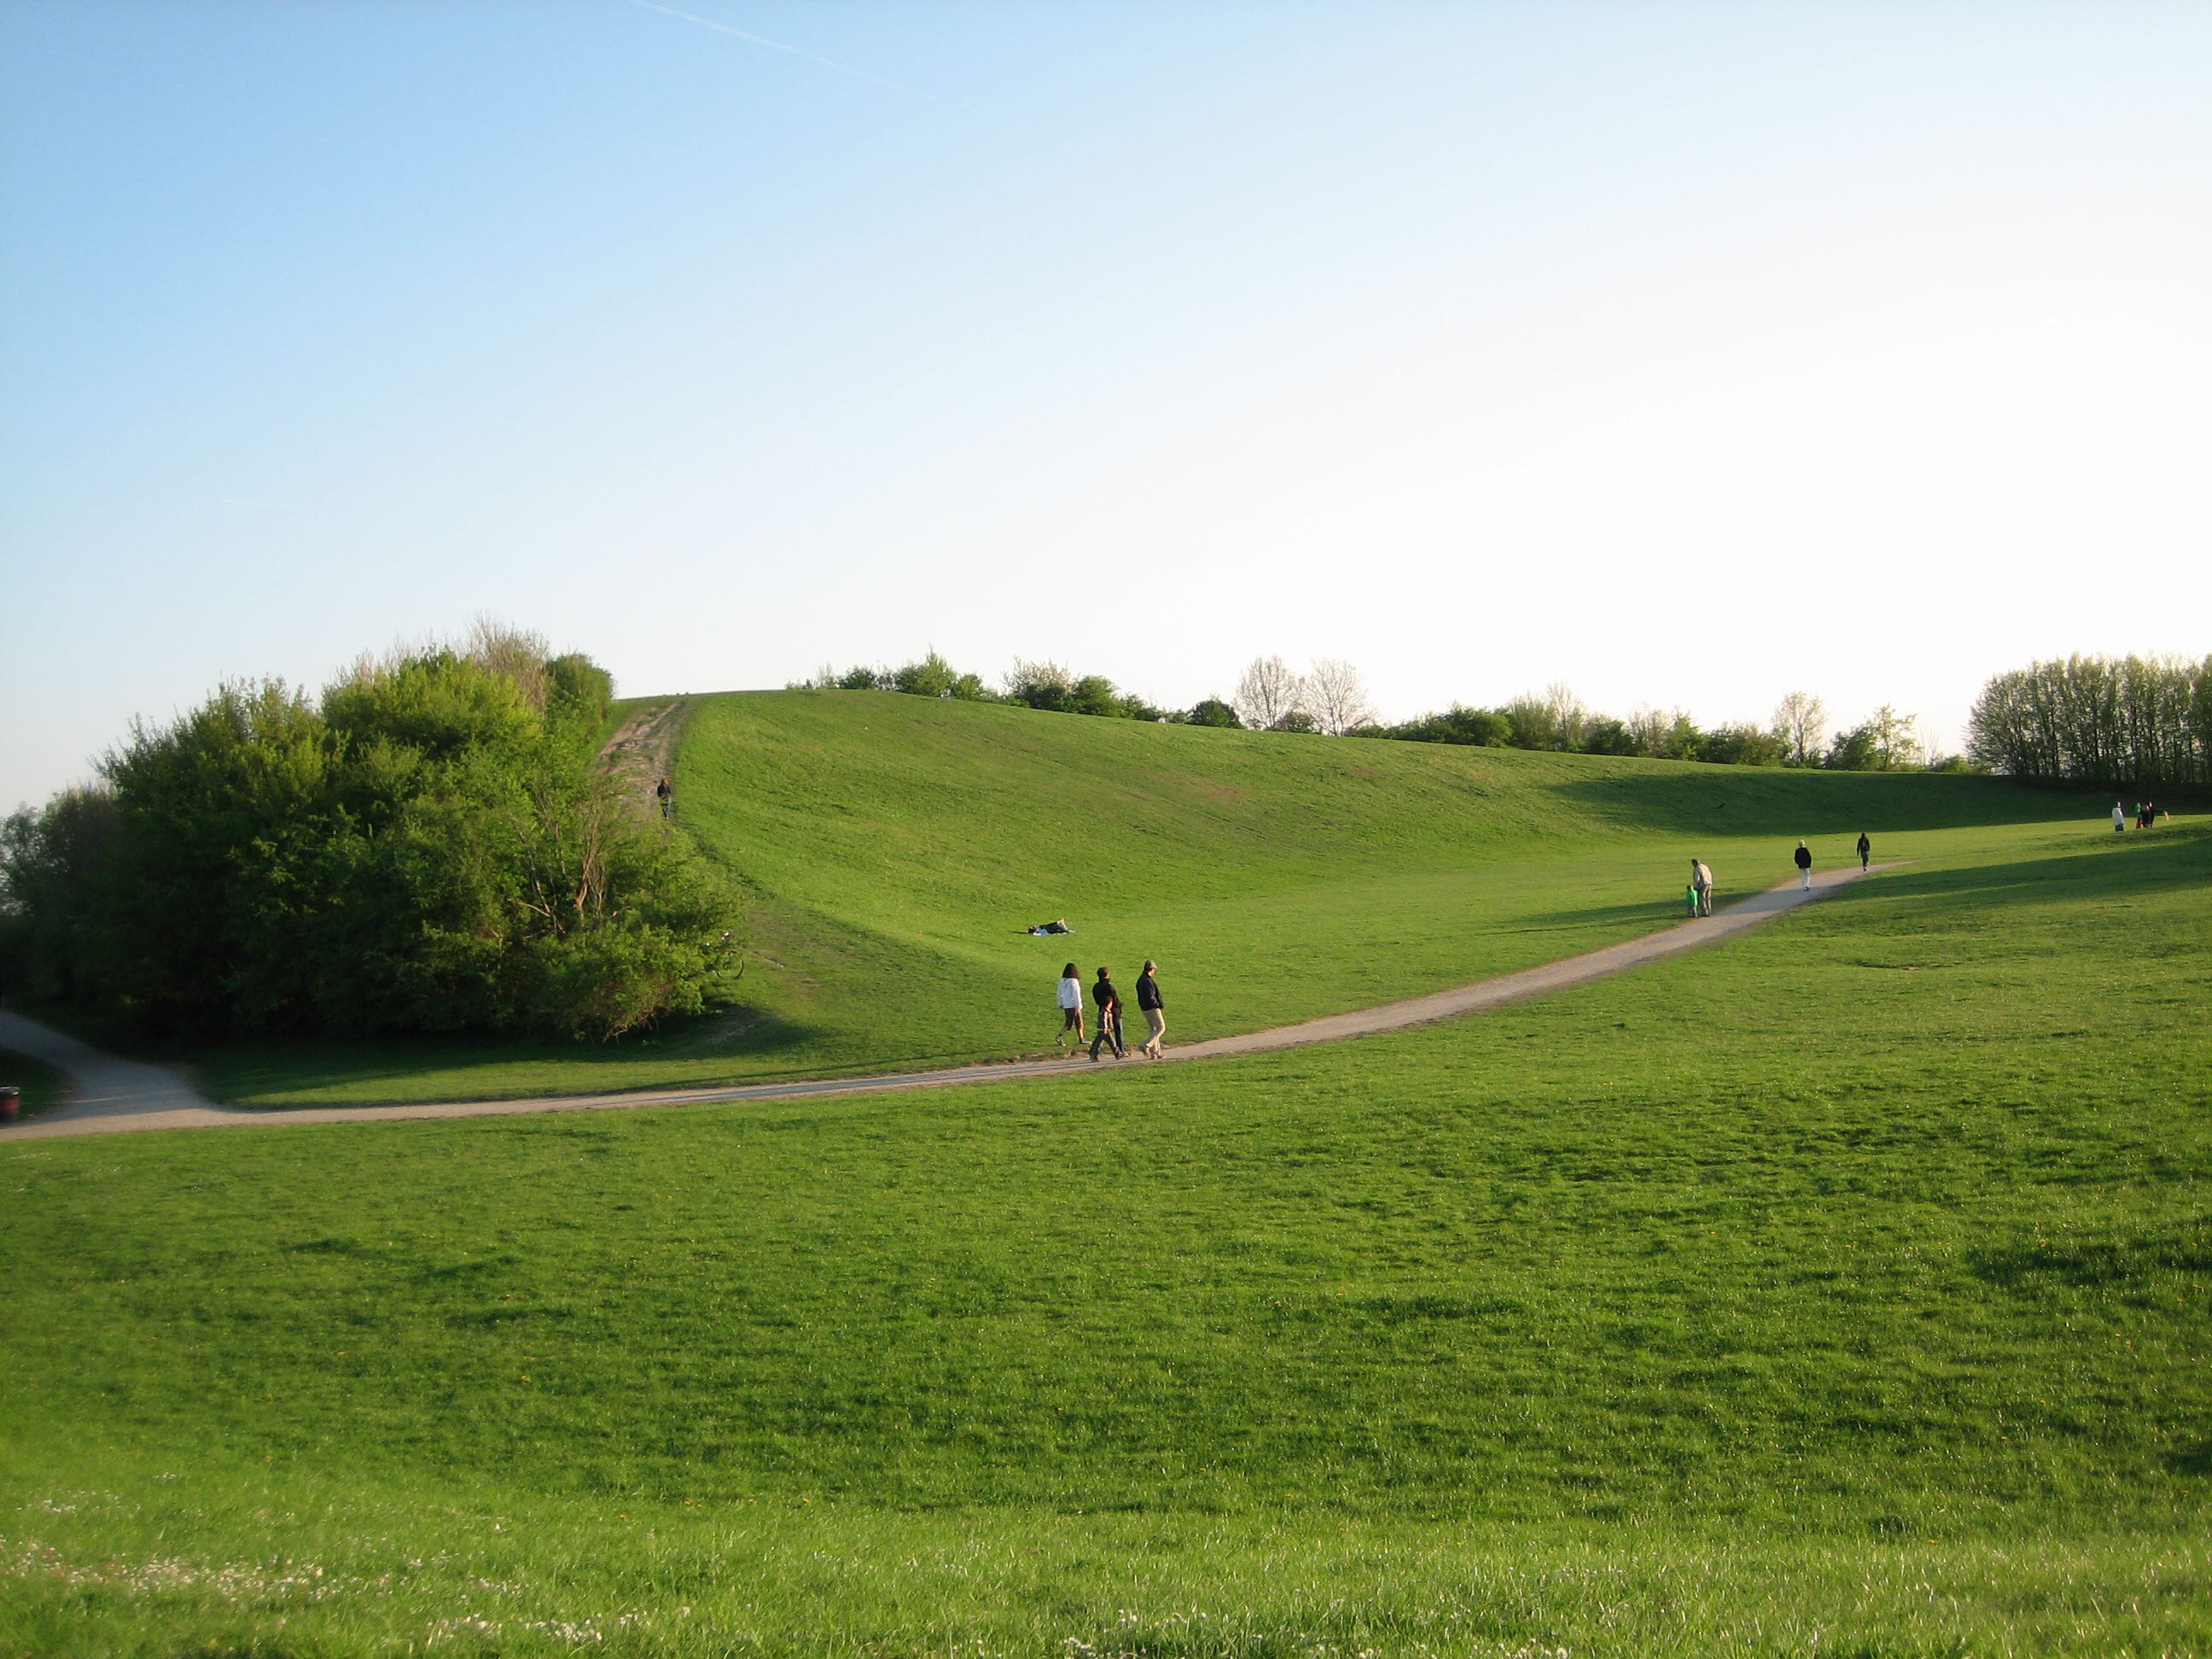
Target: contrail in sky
{"points": [[763, 41]]}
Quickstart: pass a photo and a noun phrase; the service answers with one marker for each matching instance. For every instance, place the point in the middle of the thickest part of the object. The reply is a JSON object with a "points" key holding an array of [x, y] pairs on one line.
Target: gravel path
{"points": [[115, 1097], [643, 751]]}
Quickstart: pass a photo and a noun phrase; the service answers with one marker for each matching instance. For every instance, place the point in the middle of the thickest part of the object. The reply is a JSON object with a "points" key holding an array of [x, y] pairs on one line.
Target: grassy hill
{"points": [[1847, 1289], [895, 847]]}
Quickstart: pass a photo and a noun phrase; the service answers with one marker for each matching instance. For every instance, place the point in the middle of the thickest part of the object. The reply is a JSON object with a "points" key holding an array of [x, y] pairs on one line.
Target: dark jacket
{"points": [[1148, 992], [1804, 858], [1104, 993]]}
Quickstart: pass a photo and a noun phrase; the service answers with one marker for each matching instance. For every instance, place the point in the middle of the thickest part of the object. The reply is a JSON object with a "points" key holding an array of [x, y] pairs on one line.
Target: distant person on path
{"points": [[1866, 851], [1690, 899], [1154, 1008], [2119, 820], [1060, 926], [666, 797], [1109, 1017], [1070, 1006], [1805, 866], [1701, 884]]}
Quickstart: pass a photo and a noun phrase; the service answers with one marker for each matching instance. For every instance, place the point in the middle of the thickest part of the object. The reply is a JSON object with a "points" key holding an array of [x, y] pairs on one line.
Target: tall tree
{"points": [[1268, 693], [1800, 720], [1337, 698]]}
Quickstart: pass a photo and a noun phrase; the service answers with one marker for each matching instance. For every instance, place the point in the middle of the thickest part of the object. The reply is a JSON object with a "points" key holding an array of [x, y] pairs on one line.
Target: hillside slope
{"points": [[1847, 1289], [899, 845], [895, 847]]}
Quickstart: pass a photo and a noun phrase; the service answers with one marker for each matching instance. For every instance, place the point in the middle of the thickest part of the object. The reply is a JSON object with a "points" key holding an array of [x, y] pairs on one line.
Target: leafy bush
{"points": [[1481, 727], [1884, 742], [1213, 711], [1742, 746], [433, 847]]}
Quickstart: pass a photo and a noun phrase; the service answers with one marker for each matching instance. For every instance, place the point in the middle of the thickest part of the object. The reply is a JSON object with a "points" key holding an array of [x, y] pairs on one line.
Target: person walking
{"points": [[1154, 1009], [1109, 1017], [2119, 820], [1866, 851], [1701, 882], [1071, 1007], [1805, 866], [666, 797]]}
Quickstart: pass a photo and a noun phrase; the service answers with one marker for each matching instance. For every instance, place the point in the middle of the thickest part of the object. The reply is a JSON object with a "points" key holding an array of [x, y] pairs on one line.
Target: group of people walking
{"points": [[1698, 897], [2146, 816], [1107, 998]]}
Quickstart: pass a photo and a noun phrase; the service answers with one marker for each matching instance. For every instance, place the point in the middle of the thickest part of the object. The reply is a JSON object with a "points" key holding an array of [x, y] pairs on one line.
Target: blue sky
{"points": [[1689, 353]]}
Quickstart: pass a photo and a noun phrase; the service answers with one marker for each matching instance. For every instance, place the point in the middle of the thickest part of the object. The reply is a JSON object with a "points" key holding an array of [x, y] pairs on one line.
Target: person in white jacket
{"points": [[2119, 820], [1070, 1005]]}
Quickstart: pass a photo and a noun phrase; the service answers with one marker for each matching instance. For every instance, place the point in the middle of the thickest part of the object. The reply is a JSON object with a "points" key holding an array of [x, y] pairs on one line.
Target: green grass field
{"points": [[1846, 1289], [895, 847]]}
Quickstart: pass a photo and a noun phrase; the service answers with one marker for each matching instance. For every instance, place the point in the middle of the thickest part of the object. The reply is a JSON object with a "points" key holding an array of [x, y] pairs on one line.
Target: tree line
{"points": [[1330, 699], [2124, 722], [429, 846]]}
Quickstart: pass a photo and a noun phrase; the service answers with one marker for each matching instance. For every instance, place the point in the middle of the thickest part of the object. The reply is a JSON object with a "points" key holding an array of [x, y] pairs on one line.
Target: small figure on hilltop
{"points": [[1153, 1006], [1071, 1007], [1866, 851], [1701, 885], [2119, 820], [1109, 1017], [1804, 856], [1060, 926], [666, 797]]}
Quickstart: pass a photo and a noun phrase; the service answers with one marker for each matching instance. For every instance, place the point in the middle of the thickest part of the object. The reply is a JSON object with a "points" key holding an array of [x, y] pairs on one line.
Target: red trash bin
{"points": [[11, 1105]]}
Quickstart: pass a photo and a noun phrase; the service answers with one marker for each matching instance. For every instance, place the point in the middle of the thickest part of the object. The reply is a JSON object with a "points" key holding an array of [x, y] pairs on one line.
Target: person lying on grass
{"points": [[1060, 926]]}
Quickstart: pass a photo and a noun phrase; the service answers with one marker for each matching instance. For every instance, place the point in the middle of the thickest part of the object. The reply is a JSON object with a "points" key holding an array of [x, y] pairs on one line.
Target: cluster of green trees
{"points": [[1044, 685], [432, 846], [2132, 722], [1556, 719], [1331, 700]]}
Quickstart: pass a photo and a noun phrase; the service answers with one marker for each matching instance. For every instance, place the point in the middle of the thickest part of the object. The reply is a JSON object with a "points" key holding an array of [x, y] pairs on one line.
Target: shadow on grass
{"points": [[1653, 911], [245, 1068], [2117, 1262], [1736, 800], [2179, 856]]}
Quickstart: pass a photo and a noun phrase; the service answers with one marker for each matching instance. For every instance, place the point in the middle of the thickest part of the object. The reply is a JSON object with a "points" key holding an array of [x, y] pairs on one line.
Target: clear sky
{"points": [[1688, 353]]}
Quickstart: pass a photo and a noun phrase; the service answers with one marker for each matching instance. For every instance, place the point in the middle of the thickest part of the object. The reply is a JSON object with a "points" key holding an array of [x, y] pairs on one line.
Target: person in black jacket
{"points": [[1109, 1017], [1805, 866], [1154, 1009], [1866, 851]]}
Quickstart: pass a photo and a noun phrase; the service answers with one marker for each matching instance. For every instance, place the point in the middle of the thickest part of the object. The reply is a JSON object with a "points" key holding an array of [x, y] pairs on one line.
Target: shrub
{"points": [[1481, 727], [1742, 746], [1213, 711], [433, 847]]}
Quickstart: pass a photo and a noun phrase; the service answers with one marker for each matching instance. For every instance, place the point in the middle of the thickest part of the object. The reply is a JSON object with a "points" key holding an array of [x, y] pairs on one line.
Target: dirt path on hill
{"points": [[642, 751], [115, 1097]]}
